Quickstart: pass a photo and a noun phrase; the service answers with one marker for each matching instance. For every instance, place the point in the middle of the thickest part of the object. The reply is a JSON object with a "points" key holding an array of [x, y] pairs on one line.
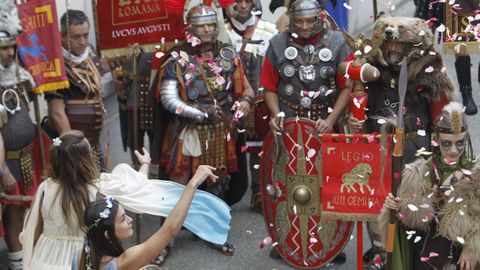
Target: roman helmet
{"points": [[202, 14], [301, 9], [6, 40]]}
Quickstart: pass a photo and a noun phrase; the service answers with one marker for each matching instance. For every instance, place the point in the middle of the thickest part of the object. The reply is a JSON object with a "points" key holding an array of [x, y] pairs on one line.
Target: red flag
{"points": [[39, 47]]}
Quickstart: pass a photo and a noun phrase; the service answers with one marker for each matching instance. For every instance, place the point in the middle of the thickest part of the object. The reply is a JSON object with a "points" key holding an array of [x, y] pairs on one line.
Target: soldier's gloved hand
{"points": [[323, 126], [353, 124]]}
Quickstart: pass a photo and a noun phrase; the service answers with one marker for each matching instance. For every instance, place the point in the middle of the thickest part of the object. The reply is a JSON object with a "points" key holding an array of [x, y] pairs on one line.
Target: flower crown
{"points": [[102, 215]]}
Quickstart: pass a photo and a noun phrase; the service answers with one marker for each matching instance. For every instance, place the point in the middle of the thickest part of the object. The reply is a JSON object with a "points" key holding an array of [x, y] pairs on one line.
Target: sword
{"points": [[397, 160]]}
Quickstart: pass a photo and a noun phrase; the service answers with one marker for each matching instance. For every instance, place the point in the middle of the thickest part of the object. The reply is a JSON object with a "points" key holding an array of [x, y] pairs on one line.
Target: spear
{"points": [[397, 160]]}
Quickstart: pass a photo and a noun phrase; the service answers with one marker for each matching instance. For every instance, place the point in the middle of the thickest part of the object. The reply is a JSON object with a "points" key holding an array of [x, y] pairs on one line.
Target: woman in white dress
{"points": [[54, 228]]}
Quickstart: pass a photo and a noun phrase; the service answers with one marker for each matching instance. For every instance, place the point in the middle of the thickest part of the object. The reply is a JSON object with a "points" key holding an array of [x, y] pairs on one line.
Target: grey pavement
{"points": [[247, 227]]}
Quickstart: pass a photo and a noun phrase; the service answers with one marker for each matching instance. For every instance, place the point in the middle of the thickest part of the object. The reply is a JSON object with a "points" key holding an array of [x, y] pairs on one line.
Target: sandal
{"points": [[226, 249], [160, 259]]}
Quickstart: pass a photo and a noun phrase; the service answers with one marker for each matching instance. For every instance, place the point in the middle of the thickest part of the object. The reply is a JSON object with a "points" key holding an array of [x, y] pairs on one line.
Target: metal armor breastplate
{"points": [[19, 130], [217, 83], [307, 76]]}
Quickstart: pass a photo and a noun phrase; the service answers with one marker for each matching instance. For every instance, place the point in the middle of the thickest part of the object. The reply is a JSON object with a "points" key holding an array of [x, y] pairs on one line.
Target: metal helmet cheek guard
{"points": [[302, 9]]}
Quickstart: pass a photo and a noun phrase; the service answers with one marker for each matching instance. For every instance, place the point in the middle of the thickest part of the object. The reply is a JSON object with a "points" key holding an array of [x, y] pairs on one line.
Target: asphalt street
{"points": [[247, 227]]}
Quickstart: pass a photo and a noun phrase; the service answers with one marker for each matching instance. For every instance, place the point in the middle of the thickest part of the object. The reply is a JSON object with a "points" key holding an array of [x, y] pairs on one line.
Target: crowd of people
{"points": [[211, 104]]}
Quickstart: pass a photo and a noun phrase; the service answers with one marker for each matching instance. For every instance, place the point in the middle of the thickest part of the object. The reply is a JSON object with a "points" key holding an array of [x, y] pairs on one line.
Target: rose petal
{"points": [[433, 254]]}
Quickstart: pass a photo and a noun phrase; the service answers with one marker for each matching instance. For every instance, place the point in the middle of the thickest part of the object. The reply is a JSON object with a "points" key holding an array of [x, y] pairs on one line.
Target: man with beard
{"points": [[250, 37], [203, 84], [17, 132], [428, 90], [79, 107]]}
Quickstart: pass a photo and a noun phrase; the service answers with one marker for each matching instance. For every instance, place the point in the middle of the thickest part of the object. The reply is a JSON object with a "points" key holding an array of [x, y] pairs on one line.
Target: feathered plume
{"points": [[455, 110]]}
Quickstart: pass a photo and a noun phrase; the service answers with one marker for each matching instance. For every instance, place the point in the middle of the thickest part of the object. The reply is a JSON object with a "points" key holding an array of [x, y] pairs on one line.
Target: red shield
{"points": [[292, 204]]}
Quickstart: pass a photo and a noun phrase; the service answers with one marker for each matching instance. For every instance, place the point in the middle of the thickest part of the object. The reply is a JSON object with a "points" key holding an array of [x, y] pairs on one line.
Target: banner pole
{"points": [[359, 245]]}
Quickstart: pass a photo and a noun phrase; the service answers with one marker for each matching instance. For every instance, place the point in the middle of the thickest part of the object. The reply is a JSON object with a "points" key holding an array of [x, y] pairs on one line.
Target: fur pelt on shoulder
{"points": [[414, 190], [425, 65], [15, 74], [460, 218]]}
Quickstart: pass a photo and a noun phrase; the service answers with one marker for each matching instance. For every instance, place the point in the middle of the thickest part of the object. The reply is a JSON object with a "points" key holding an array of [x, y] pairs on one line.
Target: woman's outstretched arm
{"points": [[140, 255]]}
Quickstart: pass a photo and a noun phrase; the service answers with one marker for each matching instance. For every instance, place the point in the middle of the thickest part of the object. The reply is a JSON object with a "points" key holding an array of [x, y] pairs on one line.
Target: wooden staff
{"points": [[397, 161]]}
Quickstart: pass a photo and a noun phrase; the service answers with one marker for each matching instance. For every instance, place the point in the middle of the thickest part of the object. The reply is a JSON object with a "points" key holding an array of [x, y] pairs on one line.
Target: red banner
{"points": [[124, 22], [351, 185], [39, 47]]}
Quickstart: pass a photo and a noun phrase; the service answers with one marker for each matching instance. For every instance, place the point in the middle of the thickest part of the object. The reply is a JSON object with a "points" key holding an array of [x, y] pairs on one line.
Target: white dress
{"points": [[58, 242], [208, 216]]}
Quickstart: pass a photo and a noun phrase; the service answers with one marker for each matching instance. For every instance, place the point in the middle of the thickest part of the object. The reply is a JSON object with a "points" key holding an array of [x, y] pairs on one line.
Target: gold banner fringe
{"points": [[53, 86], [349, 217], [471, 47]]}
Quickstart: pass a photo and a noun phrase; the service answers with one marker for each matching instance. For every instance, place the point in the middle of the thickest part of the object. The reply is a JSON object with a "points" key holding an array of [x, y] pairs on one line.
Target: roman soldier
{"points": [[17, 132], [80, 106], [250, 36]]}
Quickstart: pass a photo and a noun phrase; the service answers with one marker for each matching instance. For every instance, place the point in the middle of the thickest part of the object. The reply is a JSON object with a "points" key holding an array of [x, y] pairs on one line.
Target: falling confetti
{"points": [[412, 207], [417, 238], [281, 114], [459, 200], [179, 110], [429, 69], [461, 240], [461, 212], [244, 148], [434, 143], [345, 5], [466, 172], [256, 166], [311, 152]]}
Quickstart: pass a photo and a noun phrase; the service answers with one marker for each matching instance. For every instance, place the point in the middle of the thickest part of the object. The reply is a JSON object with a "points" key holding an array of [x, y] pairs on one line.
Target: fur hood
{"points": [[425, 65]]}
